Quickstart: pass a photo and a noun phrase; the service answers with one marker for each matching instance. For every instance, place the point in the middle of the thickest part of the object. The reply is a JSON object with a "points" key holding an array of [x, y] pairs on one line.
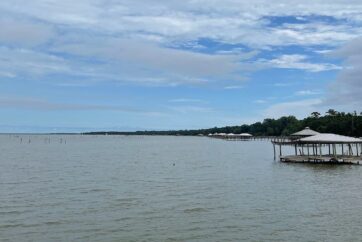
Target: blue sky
{"points": [[133, 65]]}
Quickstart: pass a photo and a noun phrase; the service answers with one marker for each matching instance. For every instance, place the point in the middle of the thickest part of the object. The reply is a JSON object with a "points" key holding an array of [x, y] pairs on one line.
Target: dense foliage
{"points": [[332, 122]]}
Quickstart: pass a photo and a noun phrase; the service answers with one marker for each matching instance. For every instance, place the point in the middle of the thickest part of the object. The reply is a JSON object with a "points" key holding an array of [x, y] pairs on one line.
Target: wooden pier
{"points": [[241, 137], [341, 160]]}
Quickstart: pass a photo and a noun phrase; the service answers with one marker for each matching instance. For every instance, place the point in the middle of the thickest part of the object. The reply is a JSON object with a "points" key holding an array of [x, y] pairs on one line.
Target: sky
{"points": [[86, 65]]}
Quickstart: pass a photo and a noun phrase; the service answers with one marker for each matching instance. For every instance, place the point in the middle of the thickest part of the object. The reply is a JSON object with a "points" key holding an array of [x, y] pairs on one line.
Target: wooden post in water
{"points": [[274, 151], [356, 149], [342, 149], [313, 146], [280, 150], [295, 148], [348, 150], [308, 149]]}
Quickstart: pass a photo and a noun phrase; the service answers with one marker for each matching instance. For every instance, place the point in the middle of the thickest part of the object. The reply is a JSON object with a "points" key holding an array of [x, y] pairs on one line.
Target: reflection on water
{"points": [[118, 188]]}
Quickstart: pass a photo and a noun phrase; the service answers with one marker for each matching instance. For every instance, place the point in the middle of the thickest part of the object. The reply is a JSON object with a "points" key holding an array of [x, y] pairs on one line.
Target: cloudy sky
{"points": [[166, 64]]}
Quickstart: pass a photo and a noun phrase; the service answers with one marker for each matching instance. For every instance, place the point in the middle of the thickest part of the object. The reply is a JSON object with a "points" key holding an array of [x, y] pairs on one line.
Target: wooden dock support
{"points": [[274, 151]]}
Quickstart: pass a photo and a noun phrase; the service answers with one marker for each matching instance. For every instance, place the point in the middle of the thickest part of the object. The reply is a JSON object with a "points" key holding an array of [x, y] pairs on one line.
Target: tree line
{"points": [[332, 121]]}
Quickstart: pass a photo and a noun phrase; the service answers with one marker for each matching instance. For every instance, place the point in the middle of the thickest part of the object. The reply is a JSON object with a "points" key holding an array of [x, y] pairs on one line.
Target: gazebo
{"points": [[245, 135], [242, 136], [323, 148], [332, 141]]}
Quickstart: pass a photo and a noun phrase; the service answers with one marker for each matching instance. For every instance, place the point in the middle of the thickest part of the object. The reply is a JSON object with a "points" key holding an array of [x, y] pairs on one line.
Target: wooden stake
{"points": [[308, 149]]}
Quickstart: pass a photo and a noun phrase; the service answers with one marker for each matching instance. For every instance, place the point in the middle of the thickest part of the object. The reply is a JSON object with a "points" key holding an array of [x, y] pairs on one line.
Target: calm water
{"points": [[107, 188]]}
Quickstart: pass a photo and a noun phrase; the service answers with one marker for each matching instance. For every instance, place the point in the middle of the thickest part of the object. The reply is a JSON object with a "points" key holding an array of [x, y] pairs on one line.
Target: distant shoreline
{"points": [[349, 124]]}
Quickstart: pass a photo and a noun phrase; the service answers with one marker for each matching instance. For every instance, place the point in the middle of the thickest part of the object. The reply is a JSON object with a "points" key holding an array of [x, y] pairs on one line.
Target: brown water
{"points": [[117, 188]]}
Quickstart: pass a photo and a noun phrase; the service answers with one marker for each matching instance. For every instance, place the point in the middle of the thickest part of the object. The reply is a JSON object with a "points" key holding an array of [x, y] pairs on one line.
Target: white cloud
{"points": [[299, 62], [323, 51], [120, 61], [300, 109], [231, 21], [7, 74], [283, 84], [152, 55], [233, 87], [24, 33], [157, 44], [46, 105], [148, 62], [316, 33], [17, 62], [347, 88], [307, 93], [260, 101]]}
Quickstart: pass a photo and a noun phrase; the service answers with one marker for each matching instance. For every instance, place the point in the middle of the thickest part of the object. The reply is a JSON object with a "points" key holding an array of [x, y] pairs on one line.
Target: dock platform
{"points": [[342, 160]]}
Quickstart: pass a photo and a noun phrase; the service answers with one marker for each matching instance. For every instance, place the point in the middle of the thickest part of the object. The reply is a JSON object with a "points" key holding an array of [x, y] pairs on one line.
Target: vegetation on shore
{"points": [[332, 121]]}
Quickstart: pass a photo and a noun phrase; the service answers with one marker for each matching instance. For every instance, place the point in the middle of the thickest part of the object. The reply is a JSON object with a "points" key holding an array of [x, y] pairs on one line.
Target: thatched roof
{"points": [[306, 132], [330, 139]]}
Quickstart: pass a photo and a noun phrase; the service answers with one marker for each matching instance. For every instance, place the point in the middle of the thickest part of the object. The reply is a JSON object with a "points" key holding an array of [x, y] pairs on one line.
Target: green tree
{"points": [[315, 115]]}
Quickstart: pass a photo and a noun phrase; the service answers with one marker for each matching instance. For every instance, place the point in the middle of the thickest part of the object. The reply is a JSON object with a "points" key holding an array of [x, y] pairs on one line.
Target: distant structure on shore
{"points": [[231, 136], [313, 147]]}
